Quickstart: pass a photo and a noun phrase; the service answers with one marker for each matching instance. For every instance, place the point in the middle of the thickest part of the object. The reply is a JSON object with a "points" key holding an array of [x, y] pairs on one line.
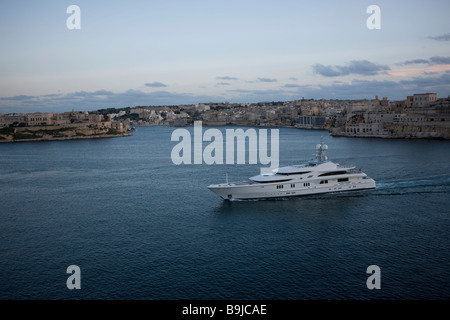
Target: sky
{"points": [[170, 52]]}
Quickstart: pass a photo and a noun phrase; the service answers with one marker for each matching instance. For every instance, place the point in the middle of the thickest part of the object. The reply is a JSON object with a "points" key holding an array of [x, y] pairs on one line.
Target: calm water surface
{"points": [[140, 227]]}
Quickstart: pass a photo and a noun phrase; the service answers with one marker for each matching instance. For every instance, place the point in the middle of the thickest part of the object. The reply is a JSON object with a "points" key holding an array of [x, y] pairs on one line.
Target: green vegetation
{"points": [[131, 116], [112, 131], [34, 134], [356, 119], [47, 133], [23, 136], [54, 132], [112, 110], [7, 130]]}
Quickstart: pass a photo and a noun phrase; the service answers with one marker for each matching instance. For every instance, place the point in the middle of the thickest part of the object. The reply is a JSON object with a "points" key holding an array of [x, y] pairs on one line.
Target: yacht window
{"points": [[274, 181], [290, 173], [334, 173], [342, 179]]}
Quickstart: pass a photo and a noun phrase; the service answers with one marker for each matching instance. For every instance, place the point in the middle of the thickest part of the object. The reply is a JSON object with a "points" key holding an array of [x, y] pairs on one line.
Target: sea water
{"points": [[140, 227]]}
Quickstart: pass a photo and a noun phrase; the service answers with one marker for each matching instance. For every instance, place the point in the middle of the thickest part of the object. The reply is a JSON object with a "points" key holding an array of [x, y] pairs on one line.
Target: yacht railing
{"points": [[348, 166], [240, 183]]}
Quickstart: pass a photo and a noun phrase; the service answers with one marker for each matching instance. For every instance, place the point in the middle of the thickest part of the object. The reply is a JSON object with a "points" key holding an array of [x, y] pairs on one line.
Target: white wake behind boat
{"points": [[314, 177]]}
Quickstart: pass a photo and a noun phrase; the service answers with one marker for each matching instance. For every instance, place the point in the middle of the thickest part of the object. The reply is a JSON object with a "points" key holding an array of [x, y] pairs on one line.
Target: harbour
{"points": [[140, 227]]}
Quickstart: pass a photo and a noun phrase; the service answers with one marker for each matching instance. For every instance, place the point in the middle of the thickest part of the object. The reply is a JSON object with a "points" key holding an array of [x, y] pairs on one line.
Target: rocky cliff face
{"points": [[400, 131], [417, 131]]}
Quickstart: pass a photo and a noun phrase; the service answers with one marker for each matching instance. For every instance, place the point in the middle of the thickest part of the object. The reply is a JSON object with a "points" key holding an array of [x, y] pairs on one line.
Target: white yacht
{"points": [[314, 177]]}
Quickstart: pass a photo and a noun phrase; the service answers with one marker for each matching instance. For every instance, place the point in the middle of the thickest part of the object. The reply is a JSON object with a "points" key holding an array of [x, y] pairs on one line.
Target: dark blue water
{"points": [[140, 227]]}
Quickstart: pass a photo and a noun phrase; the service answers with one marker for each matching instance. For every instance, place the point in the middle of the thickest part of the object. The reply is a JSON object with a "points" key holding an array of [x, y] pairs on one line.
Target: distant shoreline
{"points": [[333, 134], [103, 136]]}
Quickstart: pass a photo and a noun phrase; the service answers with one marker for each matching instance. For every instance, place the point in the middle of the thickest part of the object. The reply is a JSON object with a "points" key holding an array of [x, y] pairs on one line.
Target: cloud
{"points": [[226, 78], [102, 93], [360, 88], [444, 37], [293, 78], [267, 80], [354, 89], [17, 98], [432, 61], [92, 94], [415, 61], [89, 101], [361, 67], [394, 90], [222, 84], [260, 92], [244, 95], [155, 85], [434, 84], [326, 71], [440, 60]]}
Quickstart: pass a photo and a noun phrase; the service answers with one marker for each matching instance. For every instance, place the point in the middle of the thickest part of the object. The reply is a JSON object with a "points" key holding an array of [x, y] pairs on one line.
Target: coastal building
{"points": [[419, 116], [202, 107], [365, 129], [311, 122], [62, 118], [38, 118], [378, 117], [119, 126], [178, 122], [116, 115], [13, 119], [420, 100], [94, 118]]}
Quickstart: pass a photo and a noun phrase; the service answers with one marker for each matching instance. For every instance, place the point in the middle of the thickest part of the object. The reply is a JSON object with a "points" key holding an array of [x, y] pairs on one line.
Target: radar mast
{"points": [[321, 148]]}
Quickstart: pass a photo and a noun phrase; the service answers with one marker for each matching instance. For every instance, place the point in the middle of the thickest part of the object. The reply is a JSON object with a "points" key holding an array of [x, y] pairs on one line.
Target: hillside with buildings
{"points": [[418, 116]]}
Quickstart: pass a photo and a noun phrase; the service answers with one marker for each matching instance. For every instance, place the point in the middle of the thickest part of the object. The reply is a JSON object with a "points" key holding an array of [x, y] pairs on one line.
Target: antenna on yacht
{"points": [[320, 155]]}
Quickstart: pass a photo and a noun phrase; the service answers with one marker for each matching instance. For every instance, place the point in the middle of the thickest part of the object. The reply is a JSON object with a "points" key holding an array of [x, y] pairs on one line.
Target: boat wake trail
{"points": [[430, 184], [418, 185]]}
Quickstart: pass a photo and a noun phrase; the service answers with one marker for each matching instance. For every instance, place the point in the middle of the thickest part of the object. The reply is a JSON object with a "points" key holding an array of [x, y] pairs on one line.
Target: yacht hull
{"points": [[230, 191]]}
